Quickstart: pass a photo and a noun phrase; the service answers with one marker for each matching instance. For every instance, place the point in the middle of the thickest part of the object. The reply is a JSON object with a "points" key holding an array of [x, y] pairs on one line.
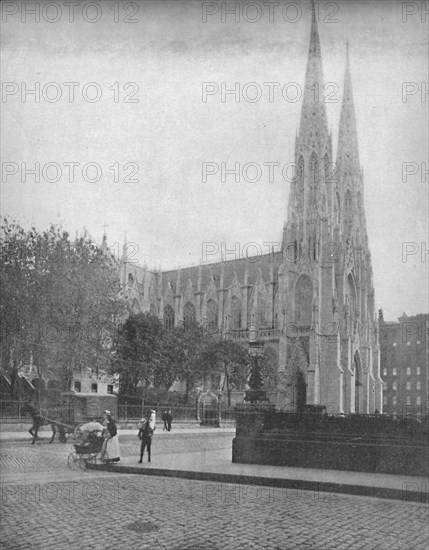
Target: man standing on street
{"points": [[169, 420], [164, 419], [145, 436]]}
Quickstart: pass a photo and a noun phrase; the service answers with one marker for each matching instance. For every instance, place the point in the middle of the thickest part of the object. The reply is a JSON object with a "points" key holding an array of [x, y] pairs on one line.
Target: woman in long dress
{"points": [[112, 440], [152, 419]]}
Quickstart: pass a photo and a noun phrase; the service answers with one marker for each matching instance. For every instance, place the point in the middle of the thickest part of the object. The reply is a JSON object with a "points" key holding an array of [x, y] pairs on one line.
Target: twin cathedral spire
{"points": [[313, 301], [325, 285], [324, 189]]}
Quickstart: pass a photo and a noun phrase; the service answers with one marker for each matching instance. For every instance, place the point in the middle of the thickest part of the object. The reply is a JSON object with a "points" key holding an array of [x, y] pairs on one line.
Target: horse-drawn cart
{"points": [[69, 411]]}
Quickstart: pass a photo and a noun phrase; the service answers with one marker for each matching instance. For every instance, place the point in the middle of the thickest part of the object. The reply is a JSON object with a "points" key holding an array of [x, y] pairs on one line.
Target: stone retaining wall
{"points": [[359, 443]]}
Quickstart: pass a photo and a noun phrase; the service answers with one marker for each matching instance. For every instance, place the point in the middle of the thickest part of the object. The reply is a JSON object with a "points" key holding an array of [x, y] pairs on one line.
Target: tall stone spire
{"points": [[313, 112], [348, 150], [309, 194]]}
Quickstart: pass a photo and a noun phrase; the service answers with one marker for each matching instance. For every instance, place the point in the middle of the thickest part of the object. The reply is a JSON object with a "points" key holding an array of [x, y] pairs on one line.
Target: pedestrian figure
{"points": [[164, 418], [152, 419], [169, 420], [111, 444], [145, 436]]}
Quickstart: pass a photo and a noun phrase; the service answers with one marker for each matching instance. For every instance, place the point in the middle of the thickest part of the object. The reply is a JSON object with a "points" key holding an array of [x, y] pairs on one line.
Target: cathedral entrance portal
{"points": [[300, 391], [295, 394]]}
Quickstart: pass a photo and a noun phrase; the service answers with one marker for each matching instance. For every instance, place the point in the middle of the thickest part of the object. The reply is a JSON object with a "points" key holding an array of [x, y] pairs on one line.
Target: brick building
{"points": [[404, 364]]}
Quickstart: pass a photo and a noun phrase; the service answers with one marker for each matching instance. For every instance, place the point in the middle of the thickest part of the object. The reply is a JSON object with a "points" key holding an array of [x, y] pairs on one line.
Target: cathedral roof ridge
{"points": [[248, 259]]}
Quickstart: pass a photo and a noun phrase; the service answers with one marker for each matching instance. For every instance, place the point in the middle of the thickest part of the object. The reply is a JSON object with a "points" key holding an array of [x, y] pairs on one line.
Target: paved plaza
{"points": [[45, 505]]}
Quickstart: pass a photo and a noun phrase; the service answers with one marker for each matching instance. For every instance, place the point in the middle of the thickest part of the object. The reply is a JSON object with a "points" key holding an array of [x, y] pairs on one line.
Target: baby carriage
{"points": [[89, 446]]}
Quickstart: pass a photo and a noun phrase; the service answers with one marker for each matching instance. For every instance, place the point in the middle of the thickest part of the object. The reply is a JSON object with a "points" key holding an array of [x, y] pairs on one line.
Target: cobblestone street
{"points": [[45, 505]]}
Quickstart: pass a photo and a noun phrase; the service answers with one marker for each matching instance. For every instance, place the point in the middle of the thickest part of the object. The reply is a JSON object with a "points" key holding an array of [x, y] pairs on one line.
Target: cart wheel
{"points": [[101, 458], [72, 460], [90, 459]]}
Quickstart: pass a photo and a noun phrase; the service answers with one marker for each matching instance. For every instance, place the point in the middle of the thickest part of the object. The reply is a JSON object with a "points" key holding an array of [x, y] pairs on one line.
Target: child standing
{"points": [[145, 436]]}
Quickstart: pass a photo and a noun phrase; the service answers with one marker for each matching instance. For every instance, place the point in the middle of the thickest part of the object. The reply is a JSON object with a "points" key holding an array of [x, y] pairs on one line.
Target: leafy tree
{"points": [[172, 356], [59, 302], [193, 342], [138, 352], [230, 361], [147, 355]]}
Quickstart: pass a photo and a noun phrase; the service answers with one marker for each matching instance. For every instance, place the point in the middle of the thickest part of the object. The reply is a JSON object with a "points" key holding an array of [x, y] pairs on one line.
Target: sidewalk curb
{"points": [[16, 437], [334, 488]]}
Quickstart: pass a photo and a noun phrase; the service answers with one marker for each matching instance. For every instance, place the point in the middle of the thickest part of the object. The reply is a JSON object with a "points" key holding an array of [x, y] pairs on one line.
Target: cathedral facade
{"points": [[312, 302]]}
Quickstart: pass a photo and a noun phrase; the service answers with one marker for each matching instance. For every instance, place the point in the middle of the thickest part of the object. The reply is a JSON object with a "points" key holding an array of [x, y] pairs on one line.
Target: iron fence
{"points": [[12, 410], [180, 413]]}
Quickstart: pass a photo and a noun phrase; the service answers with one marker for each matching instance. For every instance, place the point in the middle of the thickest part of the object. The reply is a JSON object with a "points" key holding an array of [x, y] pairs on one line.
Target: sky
{"points": [[140, 128]]}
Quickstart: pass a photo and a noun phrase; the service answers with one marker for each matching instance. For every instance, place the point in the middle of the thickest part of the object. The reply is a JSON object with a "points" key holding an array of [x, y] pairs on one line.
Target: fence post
{"points": [[125, 411]]}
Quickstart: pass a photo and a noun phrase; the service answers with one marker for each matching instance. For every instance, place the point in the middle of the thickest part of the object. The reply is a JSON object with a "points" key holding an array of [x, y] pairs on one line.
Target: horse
{"points": [[40, 420]]}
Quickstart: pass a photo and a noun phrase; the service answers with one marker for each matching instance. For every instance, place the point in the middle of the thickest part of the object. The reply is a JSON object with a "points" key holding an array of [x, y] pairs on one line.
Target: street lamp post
{"points": [[197, 405], [219, 406], [256, 347]]}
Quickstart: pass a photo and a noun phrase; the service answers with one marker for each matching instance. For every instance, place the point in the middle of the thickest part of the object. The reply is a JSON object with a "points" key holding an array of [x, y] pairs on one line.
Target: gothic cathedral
{"points": [[312, 302]]}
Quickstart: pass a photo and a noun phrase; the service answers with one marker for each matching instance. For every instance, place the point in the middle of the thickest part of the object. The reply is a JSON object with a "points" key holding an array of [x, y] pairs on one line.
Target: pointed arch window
{"points": [[264, 315], [152, 310], [235, 313], [350, 298], [316, 249], [313, 248], [168, 318], [327, 170], [337, 208], [297, 251], [261, 314], [314, 177], [327, 173], [212, 315], [314, 169], [348, 206], [189, 315], [359, 202], [303, 294]]}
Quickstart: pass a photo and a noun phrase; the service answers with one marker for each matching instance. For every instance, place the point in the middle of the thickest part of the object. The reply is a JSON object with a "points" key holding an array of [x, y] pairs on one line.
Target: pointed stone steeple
{"points": [[313, 114], [348, 150], [350, 184], [309, 193]]}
